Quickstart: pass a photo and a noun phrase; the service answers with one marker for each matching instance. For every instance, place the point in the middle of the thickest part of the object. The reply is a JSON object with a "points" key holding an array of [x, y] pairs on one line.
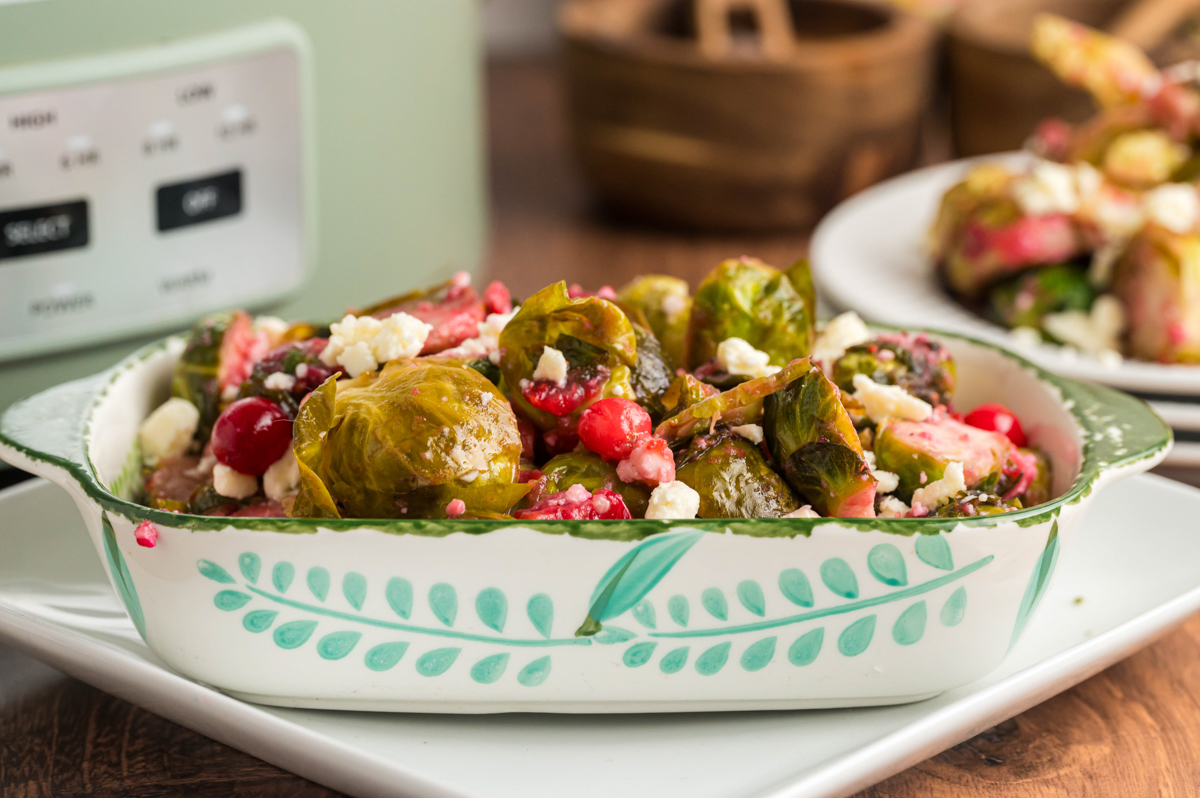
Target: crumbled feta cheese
{"points": [[739, 357], [282, 478], [751, 432], [1092, 332], [360, 344], [486, 343], [552, 366], [802, 512], [841, 333], [233, 484], [650, 463], [940, 491], [470, 476], [674, 306], [1174, 206], [229, 393], [168, 431], [1048, 188], [1105, 257], [882, 402], [891, 507], [279, 381], [886, 481], [673, 500], [357, 359], [273, 326], [301, 370]]}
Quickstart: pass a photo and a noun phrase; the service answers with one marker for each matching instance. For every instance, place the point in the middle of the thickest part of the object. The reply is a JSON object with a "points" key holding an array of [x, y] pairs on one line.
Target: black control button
{"points": [[199, 201], [47, 228]]}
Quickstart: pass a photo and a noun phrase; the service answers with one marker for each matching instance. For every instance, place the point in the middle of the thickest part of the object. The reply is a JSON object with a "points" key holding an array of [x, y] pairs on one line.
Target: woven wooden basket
{"points": [[743, 114]]}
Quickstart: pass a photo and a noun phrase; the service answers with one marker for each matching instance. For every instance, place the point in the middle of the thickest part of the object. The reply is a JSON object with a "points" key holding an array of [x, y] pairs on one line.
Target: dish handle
{"points": [[45, 433], [1126, 437]]}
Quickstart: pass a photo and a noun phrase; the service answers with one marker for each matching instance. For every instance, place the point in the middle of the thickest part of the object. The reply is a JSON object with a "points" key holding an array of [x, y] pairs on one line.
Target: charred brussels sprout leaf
{"points": [[1026, 298], [741, 404], [734, 481], [652, 375], [975, 503], [592, 472], [665, 304], [213, 359], [747, 299], [594, 334], [685, 391], [813, 440], [917, 364], [919, 451], [405, 442]]}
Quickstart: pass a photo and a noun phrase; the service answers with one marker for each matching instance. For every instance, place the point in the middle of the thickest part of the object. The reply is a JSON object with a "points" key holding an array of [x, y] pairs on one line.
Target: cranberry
{"points": [[496, 298], [649, 462], [577, 504], [555, 399], [251, 435], [612, 427], [998, 418]]}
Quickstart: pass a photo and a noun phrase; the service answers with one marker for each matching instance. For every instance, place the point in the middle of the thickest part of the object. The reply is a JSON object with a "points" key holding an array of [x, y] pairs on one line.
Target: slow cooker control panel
{"points": [[141, 190]]}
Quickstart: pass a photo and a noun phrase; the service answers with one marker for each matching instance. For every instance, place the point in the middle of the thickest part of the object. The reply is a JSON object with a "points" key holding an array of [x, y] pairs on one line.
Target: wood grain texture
{"points": [[1133, 730]]}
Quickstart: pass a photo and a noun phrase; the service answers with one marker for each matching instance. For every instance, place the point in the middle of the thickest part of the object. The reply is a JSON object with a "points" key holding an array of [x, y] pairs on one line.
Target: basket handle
{"points": [[775, 33]]}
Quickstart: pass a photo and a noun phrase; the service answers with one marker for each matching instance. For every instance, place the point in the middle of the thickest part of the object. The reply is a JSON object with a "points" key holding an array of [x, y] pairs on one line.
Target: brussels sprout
{"points": [[490, 370], [1026, 298], [1031, 489], [219, 354], [666, 305], [592, 472], [734, 480], [595, 336], [652, 375], [812, 439], [405, 442], [747, 299], [975, 503], [919, 451], [916, 363], [684, 392], [1041, 489], [1157, 281], [739, 405]]}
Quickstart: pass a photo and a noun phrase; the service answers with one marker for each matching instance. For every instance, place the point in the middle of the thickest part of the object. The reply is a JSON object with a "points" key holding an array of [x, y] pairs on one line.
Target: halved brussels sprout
{"points": [[1026, 298], [1158, 283], [916, 363], [405, 442], [592, 472], [741, 404], [975, 503], [683, 392], [666, 304], [812, 439], [734, 480], [219, 354], [919, 451], [745, 298], [593, 334]]}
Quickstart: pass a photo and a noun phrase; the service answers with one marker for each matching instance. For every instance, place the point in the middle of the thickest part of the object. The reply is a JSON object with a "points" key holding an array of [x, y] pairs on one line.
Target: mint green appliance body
{"points": [[393, 192]]}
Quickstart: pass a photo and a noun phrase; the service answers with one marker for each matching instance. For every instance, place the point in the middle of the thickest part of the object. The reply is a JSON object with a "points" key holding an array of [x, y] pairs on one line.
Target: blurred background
{"points": [[297, 158]]}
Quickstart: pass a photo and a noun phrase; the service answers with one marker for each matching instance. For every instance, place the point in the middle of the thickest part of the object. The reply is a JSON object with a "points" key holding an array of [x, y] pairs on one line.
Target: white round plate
{"points": [[868, 255]]}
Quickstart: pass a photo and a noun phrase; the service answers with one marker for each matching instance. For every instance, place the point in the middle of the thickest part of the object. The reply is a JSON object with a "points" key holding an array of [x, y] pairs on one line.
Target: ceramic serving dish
{"points": [[482, 616]]}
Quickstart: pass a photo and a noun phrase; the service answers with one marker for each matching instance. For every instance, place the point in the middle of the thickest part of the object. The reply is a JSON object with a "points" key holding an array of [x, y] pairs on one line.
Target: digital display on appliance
{"points": [[45, 228], [199, 201]]}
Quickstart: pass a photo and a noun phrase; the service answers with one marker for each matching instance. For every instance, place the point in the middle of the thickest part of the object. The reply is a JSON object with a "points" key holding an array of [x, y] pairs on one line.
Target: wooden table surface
{"points": [[1132, 730]]}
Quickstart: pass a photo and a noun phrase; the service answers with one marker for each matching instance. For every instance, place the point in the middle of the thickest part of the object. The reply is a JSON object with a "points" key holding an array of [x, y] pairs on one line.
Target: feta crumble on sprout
{"points": [[738, 357], [552, 366], [943, 490], [673, 500], [881, 402], [360, 344], [841, 333], [1096, 332]]}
